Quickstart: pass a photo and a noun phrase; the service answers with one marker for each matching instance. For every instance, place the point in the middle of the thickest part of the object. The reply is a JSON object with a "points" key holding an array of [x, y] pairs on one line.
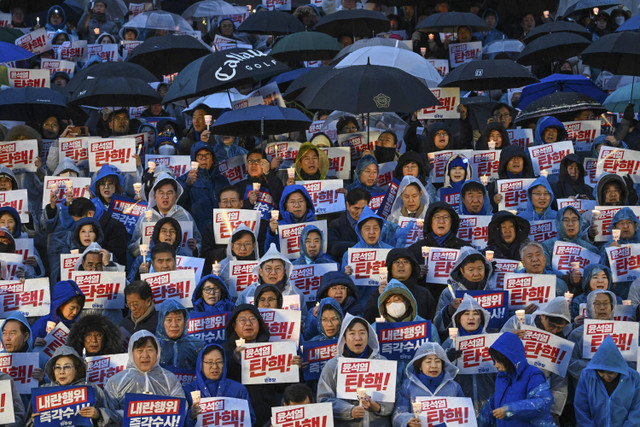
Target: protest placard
{"points": [[179, 165], [475, 230], [283, 325], [441, 65], [267, 363], [522, 138], [74, 50], [314, 414], [619, 161], [485, 162], [496, 302], [60, 406], [116, 152], [606, 217], [190, 263], [377, 377], [127, 211], [440, 264], [54, 339], [128, 46], [223, 411], [7, 415], [358, 142], [324, 195], [20, 366], [289, 235], [624, 261], [317, 354], [307, 278], [449, 98], [19, 155], [101, 289], [624, 334], [582, 205], [241, 275], [548, 156], [75, 148], [101, 368], [30, 297], [210, 328], [525, 289], [288, 150], [234, 168], [225, 221], [25, 247], [10, 266], [79, 186], [546, 350], [503, 266], [400, 340], [177, 284], [475, 357], [582, 133], [34, 41], [385, 173], [542, 230], [18, 200], [107, 52], [339, 162], [415, 227], [448, 411], [67, 265], [566, 253], [20, 77], [461, 53], [513, 192], [148, 409], [277, 4], [590, 165], [365, 265]]}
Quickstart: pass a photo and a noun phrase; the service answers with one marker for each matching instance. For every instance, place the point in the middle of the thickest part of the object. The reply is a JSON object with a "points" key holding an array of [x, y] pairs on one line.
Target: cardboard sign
{"points": [[339, 162], [502, 267], [179, 165], [582, 133], [19, 77], [416, 231], [107, 52], [10, 266], [30, 297], [449, 98], [495, 302], [54, 339], [226, 221], [268, 363], [358, 142], [20, 366], [549, 156], [60, 406], [513, 192], [5, 21], [117, 152], [314, 414], [67, 265], [101, 368], [75, 149], [449, 411], [475, 357], [440, 264], [461, 53], [542, 230], [190, 263], [522, 138], [619, 161], [145, 409], [566, 253], [235, 169], [128, 46], [75, 50], [400, 340], [485, 162], [378, 377], [289, 236], [288, 150], [224, 411], [441, 66], [624, 334], [241, 275], [101, 289], [307, 278], [317, 354], [366, 264], [582, 205], [475, 230], [58, 184], [283, 325], [605, 218], [525, 289], [547, 351], [35, 41], [210, 328], [19, 155], [325, 196], [624, 262], [177, 284], [127, 211]]}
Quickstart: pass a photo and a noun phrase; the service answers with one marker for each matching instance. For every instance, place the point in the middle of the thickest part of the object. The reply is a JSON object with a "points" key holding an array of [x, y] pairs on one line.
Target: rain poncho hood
{"points": [[366, 215], [180, 352], [18, 317], [530, 213], [162, 178], [549, 122], [511, 347], [92, 248], [223, 305], [590, 271], [242, 228], [334, 278], [608, 358], [286, 216], [75, 237], [398, 206], [202, 146], [67, 164], [272, 254], [224, 152], [58, 11], [509, 152], [522, 227], [111, 336], [470, 303], [65, 350], [483, 142], [324, 304], [372, 342], [556, 307], [562, 232], [363, 163], [607, 179], [426, 349], [321, 258], [395, 287], [323, 161], [105, 171], [62, 292], [202, 381], [16, 217], [626, 214], [9, 174], [565, 183], [591, 298], [458, 281]]}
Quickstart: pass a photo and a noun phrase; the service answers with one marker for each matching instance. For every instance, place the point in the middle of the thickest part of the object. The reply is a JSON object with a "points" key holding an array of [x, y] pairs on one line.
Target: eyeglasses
{"points": [[107, 184], [245, 320], [217, 364], [203, 156], [211, 291], [339, 288], [570, 220], [295, 202], [169, 231], [502, 116], [541, 194], [601, 304], [267, 300], [60, 368], [401, 262], [443, 218], [242, 245], [330, 320], [254, 161], [277, 270], [442, 133]]}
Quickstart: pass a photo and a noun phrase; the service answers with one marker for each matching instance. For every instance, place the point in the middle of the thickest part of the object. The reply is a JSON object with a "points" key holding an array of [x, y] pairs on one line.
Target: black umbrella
{"points": [[272, 22], [552, 47], [355, 23], [33, 103], [222, 70], [556, 27], [110, 69], [450, 21], [618, 53], [299, 84], [488, 74], [559, 103], [260, 120], [168, 54], [305, 46], [581, 5], [115, 91]]}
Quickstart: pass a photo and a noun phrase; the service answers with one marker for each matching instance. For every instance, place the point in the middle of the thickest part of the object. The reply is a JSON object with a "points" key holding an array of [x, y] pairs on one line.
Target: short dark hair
{"points": [[502, 359], [162, 248], [166, 181], [295, 393], [357, 194], [211, 349], [393, 134], [140, 288], [353, 323], [23, 327], [257, 150], [81, 206], [144, 341], [229, 188], [346, 120], [472, 186], [556, 320]]}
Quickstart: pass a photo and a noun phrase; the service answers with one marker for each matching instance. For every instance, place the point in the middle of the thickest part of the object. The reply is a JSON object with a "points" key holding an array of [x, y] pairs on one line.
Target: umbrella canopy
{"points": [[552, 47], [488, 74], [159, 20], [305, 46], [114, 91], [374, 41], [367, 88], [10, 52], [509, 47], [581, 5], [450, 21], [617, 53], [272, 22], [619, 99], [211, 8], [557, 27], [10, 35], [110, 69], [299, 84], [168, 54], [355, 23], [284, 80], [33, 103], [631, 24], [406, 60], [222, 70], [260, 120], [561, 83], [559, 103]]}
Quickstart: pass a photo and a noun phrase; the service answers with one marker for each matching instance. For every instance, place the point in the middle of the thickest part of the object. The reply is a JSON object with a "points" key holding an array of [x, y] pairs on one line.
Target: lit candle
{"points": [[215, 268], [137, 187], [38, 20], [362, 394], [626, 302], [568, 296], [575, 265], [544, 173], [256, 186], [151, 166], [616, 234], [484, 179], [425, 251], [431, 157], [423, 51], [75, 251], [195, 397], [513, 211], [489, 255], [380, 319], [520, 315], [453, 333], [50, 326], [84, 352], [492, 145], [595, 214], [291, 172], [148, 214], [420, 223], [383, 271], [240, 342], [207, 120], [144, 250], [195, 165], [275, 214], [417, 406]]}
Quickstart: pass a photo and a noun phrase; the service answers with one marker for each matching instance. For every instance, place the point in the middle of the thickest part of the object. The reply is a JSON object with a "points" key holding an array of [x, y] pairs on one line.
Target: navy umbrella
{"points": [[355, 22], [260, 120], [557, 27], [561, 83], [168, 54], [305, 46], [581, 5], [488, 74], [115, 92], [110, 69], [552, 47], [34, 103], [450, 21], [296, 87], [617, 53]]}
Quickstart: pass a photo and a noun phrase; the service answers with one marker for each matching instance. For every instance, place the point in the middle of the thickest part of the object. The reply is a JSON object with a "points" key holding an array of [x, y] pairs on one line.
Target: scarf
{"points": [[463, 333], [430, 382], [440, 240], [364, 355], [514, 175]]}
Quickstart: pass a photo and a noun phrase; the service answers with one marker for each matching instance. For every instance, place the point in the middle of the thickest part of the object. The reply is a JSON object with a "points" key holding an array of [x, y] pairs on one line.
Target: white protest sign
{"points": [[35, 41], [315, 127], [619, 161], [235, 169], [542, 230], [128, 46], [475, 230], [441, 66], [67, 265], [485, 162], [590, 166], [101, 368], [277, 4], [179, 165], [241, 275], [522, 138], [525, 289], [79, 186], [307, 278], [19, 77], [225, 221], [449, 98], [7, 415], [549, 156], [365, 265], [223, 411], [385, 173], [267, 363], [358, 142], [117, 152], [624, 262], [377, 377], [75, 149], [10, 265], [289, 235], [283, 325], [313, 414], [581, 205], [25, 247], [101, 289], [288, 150], [55, 65], [475, 357], [582, 133], [566, 253], [339, 162], [107, 52], [606, 218], [461, 53], [624, 334], [502, 267], [449, 411], [513, 192], [190, 263], [20, 367], [54, 339], [324, 195], [31, 297], [18, 200], [177, 284], [546, 350], [5, 19], [19, 155], [440, 264]]}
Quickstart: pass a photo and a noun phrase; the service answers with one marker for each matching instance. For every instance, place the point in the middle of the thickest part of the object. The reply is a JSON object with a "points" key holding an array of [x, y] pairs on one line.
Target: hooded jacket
{"points": [[486, 202], [75, 236], [112, 339], [18, 317], [412, 157], [305, 259], [26, 180], [132, 380], [580, 239], [395, 287], [431, 146], [105, 171], [266, 287], [567, 187], [327, 303], [590, 271], [224, 264], [287, 217], [16, 217], [223, 387], [180, 352], [524, 392], [95, 248], [497, 244], [621, 288], [223, 152], [483, 142], [323, 162], [593, 405], [329, 378], [548, 122], [62, 292], [509, 152], [398, 209], [530, 213], [447, 169], [607, 179], [366, 215], [413, 387], [223, 305], [363, 163]]}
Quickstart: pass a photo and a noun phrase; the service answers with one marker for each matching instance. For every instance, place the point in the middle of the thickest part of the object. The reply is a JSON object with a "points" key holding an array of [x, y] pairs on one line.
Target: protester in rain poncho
{"points": [[595, 276], [179, 350], [571, 229], [211, 296], [312, 238], [412, 200], [236, 253], [627, 222], [67, 301], [539, 201], [291, 213]]}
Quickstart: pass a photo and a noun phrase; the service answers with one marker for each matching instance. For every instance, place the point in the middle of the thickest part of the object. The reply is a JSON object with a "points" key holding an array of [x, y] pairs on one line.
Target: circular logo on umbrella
{"points": [[479, 72], [382, 100]]}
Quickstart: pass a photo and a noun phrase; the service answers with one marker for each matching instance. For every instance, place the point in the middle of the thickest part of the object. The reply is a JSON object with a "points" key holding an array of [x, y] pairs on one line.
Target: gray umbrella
{"points": [[559, 103]]}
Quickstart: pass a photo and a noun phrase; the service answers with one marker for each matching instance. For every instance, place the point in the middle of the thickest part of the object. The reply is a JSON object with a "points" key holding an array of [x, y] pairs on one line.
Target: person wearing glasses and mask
{"points": [[260, 170]]}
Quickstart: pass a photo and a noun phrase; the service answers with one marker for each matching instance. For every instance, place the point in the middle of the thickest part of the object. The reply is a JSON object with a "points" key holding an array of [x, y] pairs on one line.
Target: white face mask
{"points": [[396, 309], [619, 20]]}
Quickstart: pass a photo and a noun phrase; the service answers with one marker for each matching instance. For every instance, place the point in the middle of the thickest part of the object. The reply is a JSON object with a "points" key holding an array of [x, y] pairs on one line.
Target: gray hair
{"points": [[528, 243]]}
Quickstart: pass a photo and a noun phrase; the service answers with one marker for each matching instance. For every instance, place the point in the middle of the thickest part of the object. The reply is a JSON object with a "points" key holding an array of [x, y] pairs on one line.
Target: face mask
{"points": [[5, 248], [68, 174], [396, 309], [619, 20], [167, 150], [384, 154]]}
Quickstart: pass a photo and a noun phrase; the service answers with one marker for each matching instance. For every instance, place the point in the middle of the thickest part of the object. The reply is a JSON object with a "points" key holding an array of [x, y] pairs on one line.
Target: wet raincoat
{"points": [[363, 163], [621, 288], [567, 187], [62, 292], [497, 243], [183, 351], [224, 264], [223, 152], [324, 304], [548, 122], [323, 161], [287, 217], [486, 202], [590, 271], [398, 209], [224, 304], [305, 259], [530, 213], [580, 239]]}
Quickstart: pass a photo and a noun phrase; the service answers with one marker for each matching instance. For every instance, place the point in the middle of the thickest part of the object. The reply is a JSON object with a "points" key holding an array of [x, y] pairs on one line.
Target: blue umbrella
{"points": [[34, 103], [631, 24], [560, 83], [621, 97], [260, 120], [284, 79], [10, 52]]}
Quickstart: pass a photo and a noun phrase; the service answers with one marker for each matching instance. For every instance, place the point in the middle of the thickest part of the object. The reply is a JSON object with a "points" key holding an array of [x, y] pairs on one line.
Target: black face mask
{"points": [[100, 16], [6, 248], [384, 154]]}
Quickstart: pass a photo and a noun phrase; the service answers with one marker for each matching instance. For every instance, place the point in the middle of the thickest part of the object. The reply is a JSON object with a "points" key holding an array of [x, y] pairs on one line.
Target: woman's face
{"points": [[470, 320], [350, 127], [226, 28], [7, 221], [64, 370], [87, 235], [457, 174], [431, 366], [70, 309], [599, 281], [411, 169], [550, 135], [268, 299], [244, 246], [50, 128], [167, 234], [369, 175], [107, 187], [211, 293], [330, 320], [213, 365], [411, 197], [496, 136]]}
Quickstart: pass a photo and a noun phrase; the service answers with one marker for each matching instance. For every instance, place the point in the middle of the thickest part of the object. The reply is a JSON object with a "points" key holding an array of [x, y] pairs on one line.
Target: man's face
{"points": [[573, 170], [552, 328], [464, 35], [198, 120], [246, 325], [550, 135], [602, 308], [297, 204], [310, 162], [441, 223], [313, 244], [503, 116], [6, 183], [508, 230], [50, 128], [612, 194], [12, 336], [338, 293], [119, 124], [204, 159], [515, 165], [473, 200], [411, 198], [528, 22], [55, 19], [244, 246], [386, 140], [490, 20], [60, 81], [411, 169], [627, 228], [401, 269], [174, 324], [166, 197], [369, 175], [533, 259], [137, 305], [145, 357], [356, 209], [93, 342], [348, 4], [164, 261], [99, 7], [272, 271], [230, 200], [167, 233], [92, 262], [473, 271], [585, 115], [571, 223], [540, 198], [441, 139], [370, 231], [253, 165]]}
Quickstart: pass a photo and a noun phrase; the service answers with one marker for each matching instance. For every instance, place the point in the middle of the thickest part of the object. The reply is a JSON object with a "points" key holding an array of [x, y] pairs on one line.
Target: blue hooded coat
{"points": [[549, 122], [18, 317], [621, 288], [580, 239], [593, 405], [590, 271], [183, 351], [325, 303], [62, 292], [530, 213], [305, 259], [287, 217], [363, 163], [105, 171], [523, 392], [224, 152], [224, 304], [223, 387]]}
